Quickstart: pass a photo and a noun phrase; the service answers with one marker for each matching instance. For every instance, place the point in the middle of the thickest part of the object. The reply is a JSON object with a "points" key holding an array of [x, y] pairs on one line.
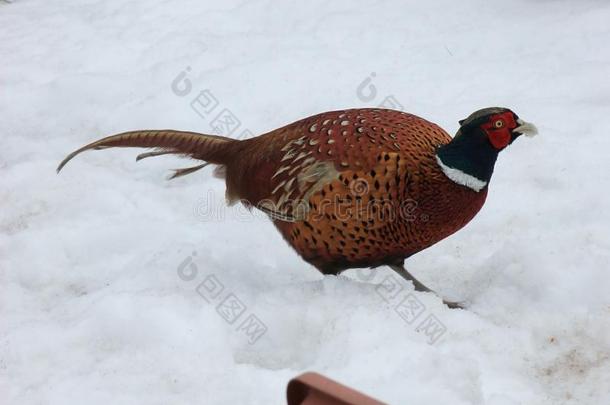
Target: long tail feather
{"points": [[186, 170], [155, 153], [210, 148]]}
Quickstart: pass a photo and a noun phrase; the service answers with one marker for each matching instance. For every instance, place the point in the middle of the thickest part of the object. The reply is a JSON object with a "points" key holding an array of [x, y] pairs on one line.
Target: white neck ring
{"points": [[461, 178]]}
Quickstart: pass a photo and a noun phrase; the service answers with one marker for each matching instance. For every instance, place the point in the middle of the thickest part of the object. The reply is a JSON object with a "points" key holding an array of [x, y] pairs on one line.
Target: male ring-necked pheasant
{"points": [[352, 188]]}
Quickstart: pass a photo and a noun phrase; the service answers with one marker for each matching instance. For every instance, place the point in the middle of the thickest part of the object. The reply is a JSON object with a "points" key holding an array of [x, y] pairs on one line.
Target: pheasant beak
{"points": [[525, 128]]}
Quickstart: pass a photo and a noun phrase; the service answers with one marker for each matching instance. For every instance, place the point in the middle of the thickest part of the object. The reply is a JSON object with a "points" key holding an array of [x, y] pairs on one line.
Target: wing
{"points": [[349, 155]]}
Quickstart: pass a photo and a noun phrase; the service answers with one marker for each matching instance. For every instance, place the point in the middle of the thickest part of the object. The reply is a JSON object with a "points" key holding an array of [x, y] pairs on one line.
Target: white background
{"points": [[92, 308]]}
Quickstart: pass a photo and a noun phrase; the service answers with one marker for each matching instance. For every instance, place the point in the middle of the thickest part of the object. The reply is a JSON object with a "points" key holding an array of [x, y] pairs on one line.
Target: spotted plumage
{"points": [[353, 188]]}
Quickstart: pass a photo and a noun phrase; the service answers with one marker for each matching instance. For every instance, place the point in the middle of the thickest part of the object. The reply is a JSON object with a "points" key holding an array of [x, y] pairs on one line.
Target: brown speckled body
{"points": [[358, 188]]}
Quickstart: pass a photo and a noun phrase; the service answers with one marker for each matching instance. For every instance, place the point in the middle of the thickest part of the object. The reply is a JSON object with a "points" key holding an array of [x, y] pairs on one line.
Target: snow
{"points": [[102, 297]]}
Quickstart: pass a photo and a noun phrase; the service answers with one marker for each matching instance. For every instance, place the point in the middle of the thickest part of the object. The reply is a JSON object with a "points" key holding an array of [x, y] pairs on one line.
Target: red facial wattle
{"points": [[499, 138], [498, 129]]}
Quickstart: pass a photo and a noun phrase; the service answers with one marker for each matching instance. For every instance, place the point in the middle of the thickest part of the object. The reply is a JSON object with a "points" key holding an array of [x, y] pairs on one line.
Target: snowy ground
{"points": [[98, 280]]}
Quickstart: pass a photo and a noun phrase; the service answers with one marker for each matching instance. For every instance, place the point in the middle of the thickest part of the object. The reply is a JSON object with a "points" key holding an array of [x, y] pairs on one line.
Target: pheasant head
{"points": [[470, 157]]}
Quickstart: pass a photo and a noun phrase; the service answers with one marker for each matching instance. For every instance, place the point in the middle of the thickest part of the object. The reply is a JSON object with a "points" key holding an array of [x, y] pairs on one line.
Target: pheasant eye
{"points": [[499, 124]]}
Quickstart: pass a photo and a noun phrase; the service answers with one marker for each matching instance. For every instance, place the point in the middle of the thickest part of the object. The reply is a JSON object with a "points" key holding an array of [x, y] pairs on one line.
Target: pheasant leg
{"points": [[400, 269]]}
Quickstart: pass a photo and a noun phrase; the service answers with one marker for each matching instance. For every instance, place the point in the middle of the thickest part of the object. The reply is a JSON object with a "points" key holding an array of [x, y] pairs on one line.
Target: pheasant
{"points": [[353, 188]]}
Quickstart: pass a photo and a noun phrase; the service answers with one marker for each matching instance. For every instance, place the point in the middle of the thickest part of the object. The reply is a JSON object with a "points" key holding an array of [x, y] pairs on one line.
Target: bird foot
{"points": [[400, 269]]}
